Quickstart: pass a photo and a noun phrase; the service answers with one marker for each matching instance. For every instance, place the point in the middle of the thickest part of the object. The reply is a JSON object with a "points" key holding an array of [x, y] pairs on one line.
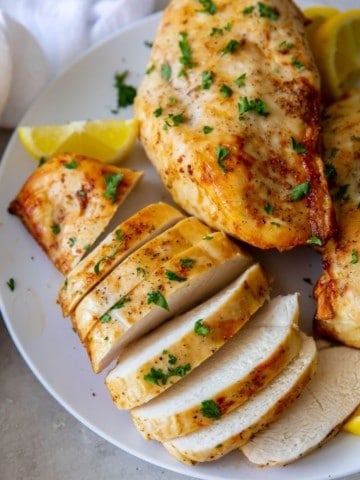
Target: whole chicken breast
{"points": [[229, 116], [338, 290]]}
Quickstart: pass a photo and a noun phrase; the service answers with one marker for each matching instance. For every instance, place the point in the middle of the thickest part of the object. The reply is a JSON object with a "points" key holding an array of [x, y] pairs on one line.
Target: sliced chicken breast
{"points": [[95, 306], [121, 242], [68, 201], [152, 364], [316, 416], [229, 115], [235, 429], [338, 290], [183, 281], [226, 380]]}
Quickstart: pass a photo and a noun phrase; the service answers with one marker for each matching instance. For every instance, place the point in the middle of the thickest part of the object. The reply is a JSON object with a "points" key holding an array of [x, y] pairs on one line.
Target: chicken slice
{"points": [[338, 290], [183, 281], [121, 242], [67, 203], [144, 370], [226, 380], [316, 416], [237, 427], [229, 115], [150, 256]]}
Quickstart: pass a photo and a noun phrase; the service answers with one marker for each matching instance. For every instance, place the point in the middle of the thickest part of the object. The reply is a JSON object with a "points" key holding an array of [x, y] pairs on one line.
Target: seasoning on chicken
{"points": [[338, 290], [229, 115], [67, 203]]}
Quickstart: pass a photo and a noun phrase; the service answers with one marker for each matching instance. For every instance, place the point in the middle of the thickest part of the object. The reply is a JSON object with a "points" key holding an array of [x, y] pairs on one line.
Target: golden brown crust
{"points": [[65, 205], [337, 291], [130, 234], [248, 193]]}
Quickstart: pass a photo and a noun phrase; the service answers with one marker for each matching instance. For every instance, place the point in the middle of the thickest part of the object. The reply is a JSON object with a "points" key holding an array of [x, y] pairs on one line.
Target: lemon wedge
{"points": [[107, 140], [353, 424], [317, 16], [336, 48]]}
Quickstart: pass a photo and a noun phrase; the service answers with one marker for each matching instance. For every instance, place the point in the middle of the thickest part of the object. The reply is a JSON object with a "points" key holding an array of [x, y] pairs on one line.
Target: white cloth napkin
{"points": [[39, 38]]}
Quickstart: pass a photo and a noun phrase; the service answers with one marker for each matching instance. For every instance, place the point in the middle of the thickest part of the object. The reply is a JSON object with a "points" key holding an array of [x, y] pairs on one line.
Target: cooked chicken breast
{"points": [[144, 371], [67, 203], [226, 380], [338, 290], [316, 416], [237, 427], [137, 266], [133, 232], [229, 116], [180, 283]]}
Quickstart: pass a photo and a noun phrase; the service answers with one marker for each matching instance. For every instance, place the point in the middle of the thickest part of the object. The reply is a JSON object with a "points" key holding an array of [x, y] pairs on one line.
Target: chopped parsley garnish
{"points": [[209, 7], [299, 191], [267, 12], [186, 54], [330, 170], [71, 241], [140, 271], [147, 43], [221, 154], [200, 328], [165, 71], [170, 275], [158, 376], [298, 147], [71, 165], [226, 91], [87, 247], [285, 46], [255, 105], [112, 181], [216, 31], [42, 160], [248, 10], [187, 262], [299, 65], [268, 208], [121, 303], [158, 299], [55, 227], [174, 120], [125, 93], [106, 318], [158, 112], [240, 80], [11, 284], [354, 257], [207, 79], [119, 238], [314, 241], [210, 409], [150, 69], [333, 152], [231, 47], [207, 129], [342, 194], [208, 237]]}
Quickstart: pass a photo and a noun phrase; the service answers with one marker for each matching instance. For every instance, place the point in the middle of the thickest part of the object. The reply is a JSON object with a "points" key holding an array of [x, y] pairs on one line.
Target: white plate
{"points": [[46, 340]]}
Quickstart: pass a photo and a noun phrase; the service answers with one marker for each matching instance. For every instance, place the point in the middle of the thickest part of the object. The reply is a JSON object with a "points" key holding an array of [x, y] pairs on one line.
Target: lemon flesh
{"points": [[317, 16], [353, 424], [336, 48], [107, 140]]}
